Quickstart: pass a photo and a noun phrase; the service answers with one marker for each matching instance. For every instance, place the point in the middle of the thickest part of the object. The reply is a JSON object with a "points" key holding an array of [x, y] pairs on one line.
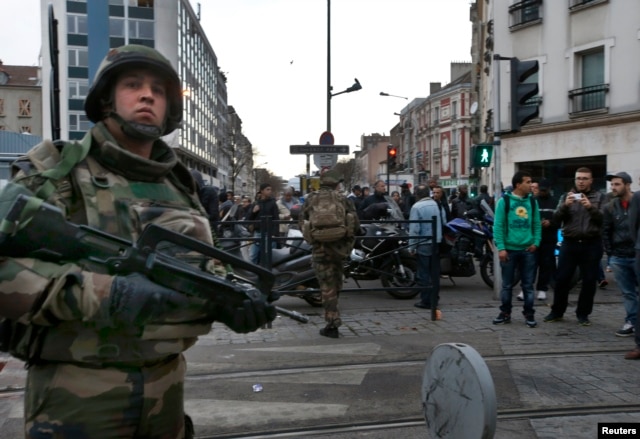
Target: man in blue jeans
{"points": [[517, 232], [422, 245], [618, 245]]}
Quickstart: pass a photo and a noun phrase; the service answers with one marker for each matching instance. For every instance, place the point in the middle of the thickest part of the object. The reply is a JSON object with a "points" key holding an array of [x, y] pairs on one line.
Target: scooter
{"points": [[291, 266]]}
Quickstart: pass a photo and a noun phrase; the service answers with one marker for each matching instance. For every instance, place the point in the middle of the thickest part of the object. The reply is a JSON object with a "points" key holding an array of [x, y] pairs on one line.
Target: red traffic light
{"points": [[393, 151]]}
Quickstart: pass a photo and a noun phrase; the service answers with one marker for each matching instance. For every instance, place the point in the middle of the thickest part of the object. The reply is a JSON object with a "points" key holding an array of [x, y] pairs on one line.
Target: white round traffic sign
{"points": [[458, 395]]}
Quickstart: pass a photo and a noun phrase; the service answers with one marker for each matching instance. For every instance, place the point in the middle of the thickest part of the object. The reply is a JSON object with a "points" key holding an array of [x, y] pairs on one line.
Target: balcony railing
{"points": [[526, 11], [588, 98], [575, 4]]}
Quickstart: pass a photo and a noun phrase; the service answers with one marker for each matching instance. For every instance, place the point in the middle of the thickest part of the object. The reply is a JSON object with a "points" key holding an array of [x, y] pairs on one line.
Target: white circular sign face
{"points": [[445, 155], [458, 395], [474, 108]]}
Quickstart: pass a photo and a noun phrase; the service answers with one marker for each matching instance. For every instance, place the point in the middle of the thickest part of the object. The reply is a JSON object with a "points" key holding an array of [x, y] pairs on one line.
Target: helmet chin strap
{"points": [[136, 130]]}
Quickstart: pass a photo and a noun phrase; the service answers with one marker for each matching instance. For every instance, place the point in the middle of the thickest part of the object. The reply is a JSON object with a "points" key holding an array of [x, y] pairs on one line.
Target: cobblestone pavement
{"points": [[536, 380]]}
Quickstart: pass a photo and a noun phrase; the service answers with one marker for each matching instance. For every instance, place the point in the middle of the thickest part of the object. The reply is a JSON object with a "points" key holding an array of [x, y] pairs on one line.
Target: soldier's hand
{"points": [[248, 317], [136, 300]]}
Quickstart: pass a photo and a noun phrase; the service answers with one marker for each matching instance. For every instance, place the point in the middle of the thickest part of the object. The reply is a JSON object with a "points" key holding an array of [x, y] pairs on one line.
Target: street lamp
{"points": [[395, 96]]}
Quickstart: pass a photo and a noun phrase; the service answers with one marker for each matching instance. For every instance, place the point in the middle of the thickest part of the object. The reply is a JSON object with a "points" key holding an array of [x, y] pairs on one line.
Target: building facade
{"points": [[435, 135], [20, 99], [588, 87], [87, 29]]}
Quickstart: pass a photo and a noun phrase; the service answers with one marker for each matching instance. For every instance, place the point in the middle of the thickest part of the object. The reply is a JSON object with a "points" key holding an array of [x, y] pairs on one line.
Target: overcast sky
{"points": [[274, 53]]}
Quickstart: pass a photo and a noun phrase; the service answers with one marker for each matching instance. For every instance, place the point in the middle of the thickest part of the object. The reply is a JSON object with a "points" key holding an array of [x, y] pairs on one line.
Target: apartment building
{"points": [[589, 109], [86, 31], [20, 99]]}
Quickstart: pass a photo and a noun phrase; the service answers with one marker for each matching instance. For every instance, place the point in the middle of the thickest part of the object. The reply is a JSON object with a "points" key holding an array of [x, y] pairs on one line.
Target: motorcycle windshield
{"points": [[393, 210]]}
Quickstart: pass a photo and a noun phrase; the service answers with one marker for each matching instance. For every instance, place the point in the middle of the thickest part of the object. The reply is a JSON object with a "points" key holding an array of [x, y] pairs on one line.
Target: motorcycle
{"points": [[466, 239], [381, 252]]}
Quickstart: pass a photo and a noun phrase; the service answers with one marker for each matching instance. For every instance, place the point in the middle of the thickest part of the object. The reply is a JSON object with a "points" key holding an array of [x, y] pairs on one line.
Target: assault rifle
{"points": [[33, 228]]}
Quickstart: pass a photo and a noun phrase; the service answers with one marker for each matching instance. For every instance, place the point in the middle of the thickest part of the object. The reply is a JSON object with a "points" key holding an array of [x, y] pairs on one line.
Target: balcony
{"points": [[588, 99], [576, 5], [525, 13]]}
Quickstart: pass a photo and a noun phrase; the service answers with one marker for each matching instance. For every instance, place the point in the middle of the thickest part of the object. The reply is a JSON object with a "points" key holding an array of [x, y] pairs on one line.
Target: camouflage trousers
{"points": [[67, 401], [329, 272]]}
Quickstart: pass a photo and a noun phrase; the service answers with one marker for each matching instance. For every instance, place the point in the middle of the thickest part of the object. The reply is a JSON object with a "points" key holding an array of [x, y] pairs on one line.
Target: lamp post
{"points": [[356, 85]]}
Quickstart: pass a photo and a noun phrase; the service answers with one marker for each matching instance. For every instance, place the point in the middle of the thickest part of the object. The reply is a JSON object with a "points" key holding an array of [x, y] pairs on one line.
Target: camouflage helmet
{"points": [[330, 178], [128, 57]]}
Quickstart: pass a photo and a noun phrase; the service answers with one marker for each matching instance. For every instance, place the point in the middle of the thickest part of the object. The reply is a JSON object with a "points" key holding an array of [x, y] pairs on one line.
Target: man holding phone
{"points": [[579, 213]]}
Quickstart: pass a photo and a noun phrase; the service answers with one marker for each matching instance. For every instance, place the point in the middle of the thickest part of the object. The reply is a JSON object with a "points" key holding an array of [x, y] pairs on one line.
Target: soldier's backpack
{"points": [[328, 218]]}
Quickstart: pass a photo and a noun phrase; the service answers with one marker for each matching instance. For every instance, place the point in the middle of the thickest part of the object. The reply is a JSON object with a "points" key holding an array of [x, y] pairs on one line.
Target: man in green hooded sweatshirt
{"points": [[517, 232]]}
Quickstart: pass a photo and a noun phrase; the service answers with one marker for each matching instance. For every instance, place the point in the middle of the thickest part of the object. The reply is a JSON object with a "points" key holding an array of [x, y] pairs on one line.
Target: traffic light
{"points": [[392, 155], [521, 91], [481, 155]]}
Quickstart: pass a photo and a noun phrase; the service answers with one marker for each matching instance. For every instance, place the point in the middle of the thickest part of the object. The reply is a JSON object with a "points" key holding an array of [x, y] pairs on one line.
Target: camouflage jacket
{"points": [[120, 193]]}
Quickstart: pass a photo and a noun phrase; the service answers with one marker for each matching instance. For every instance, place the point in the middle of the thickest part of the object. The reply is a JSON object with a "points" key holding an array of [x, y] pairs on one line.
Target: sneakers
{"points": [[626, 330], [502, 318], [603, 284], [551, 317], [530, 321], [542, 295], [330, 332], [520, 296], [584, 321]]}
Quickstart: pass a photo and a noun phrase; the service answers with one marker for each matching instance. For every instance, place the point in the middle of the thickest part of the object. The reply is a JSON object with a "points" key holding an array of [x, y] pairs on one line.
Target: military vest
{"points": [[120, 193]]}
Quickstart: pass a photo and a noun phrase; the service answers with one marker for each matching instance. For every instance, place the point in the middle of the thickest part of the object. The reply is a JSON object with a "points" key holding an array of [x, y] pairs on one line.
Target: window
{"points": [[1, 107], [25, 129], [77, 24], [454, 110], [141, 29], [579, 4], [525, 12], [116, 27], [78, 122], [78, 56], [78, 89], [24, 108], [593, 88]]}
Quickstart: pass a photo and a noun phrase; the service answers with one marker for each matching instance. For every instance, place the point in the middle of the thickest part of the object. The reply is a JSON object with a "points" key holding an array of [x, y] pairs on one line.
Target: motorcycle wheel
{"points": [[314, 300], [392, 278], [486, 269]]}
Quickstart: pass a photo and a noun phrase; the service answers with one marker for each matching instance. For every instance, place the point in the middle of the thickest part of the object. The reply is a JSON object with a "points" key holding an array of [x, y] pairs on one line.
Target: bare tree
{"points": [[348, 169]]}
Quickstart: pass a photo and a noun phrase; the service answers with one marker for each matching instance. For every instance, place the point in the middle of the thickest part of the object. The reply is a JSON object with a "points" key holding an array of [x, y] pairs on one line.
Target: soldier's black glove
{"points": [[248, 317], [136, 300]]}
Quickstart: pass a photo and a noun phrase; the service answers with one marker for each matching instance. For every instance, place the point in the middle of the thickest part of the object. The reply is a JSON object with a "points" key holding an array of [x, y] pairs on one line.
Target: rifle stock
{"points": [[39, 230]]}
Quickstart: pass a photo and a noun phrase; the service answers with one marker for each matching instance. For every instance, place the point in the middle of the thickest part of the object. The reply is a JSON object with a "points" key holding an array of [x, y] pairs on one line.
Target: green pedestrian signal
{"points": [[481, 155]]}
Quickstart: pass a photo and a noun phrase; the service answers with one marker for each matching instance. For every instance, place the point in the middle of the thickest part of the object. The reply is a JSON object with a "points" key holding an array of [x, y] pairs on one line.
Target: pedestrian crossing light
{"points": [[392, 156], [481, 155]]}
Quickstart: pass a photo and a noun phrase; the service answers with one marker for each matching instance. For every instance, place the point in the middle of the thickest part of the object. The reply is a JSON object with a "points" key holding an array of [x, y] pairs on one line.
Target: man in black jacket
{"points": [[265, 205], [378, 196], [462, 203], [618, 245], [579, 211]]}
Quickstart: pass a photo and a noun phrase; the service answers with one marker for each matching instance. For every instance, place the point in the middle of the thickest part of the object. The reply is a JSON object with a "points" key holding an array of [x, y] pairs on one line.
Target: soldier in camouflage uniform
{"points": [[328, 257], [105, 352]]}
